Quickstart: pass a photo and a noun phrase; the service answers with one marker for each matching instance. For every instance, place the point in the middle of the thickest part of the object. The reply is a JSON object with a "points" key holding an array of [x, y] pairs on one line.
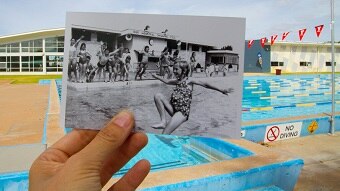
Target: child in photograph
{"points": [[144, 62], [179, 104], [126, 68], [216, 69], [72, 64], [83, 56], [192, 63], [165, 63], [114, 65]]}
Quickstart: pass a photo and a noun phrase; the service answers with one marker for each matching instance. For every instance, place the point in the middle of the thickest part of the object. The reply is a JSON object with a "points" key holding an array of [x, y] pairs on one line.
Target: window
{"points": [[14, 47], [217, 59], [14, 63], [195, 47], [25, 46], [54, 63], [305, 64], [3, 64], [32, 46], [54, 44], [37, 45], [183, 46], [231, 59], [330, 63], [25, 64], [276, 63], [3, 47]]}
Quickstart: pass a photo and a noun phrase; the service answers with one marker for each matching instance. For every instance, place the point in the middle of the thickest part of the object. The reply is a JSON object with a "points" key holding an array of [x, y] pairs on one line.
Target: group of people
{"points": [[117, 64], [81, 69], [166, 63], [213, 69]]}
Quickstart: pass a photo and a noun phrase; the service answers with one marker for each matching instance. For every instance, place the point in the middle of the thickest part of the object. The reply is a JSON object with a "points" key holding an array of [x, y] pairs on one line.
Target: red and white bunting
{"points": [[263, 41], [318, 30], [302, 33], [250, 43], [284, 35], [272, 39]]}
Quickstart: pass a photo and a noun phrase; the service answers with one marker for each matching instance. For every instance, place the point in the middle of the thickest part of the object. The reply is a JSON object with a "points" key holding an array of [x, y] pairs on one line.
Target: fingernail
{"points": [[123, 119]]}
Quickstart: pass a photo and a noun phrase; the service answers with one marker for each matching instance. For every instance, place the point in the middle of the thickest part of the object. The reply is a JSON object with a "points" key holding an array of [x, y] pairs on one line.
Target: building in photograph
{"points": [[36, 53], [290, 57]]}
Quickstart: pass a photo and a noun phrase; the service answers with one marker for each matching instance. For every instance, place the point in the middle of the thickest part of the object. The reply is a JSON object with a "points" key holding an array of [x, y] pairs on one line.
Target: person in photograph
{"points": [[99, 68], [126, 68], [144, 62], [125, 54], [102, 63], [192, 63], [216, 69], [164, 63], [209, 69], [83, 61], [117, 67], [178, 107], [72, 63]]}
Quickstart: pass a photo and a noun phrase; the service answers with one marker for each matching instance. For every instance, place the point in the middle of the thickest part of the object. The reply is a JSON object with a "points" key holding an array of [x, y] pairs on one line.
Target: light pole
{"points": [[333, 71]]}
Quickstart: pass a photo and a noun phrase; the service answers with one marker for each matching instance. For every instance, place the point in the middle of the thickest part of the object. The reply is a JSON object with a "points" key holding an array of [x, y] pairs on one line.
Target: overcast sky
{"points": [[263, 17]]}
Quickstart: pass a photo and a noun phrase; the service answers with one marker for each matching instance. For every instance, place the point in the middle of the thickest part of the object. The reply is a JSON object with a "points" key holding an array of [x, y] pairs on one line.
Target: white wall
{"points": [[292, 55]]}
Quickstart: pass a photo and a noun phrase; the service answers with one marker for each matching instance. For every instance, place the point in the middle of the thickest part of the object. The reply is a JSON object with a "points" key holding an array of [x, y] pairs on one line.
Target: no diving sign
{"points": [[282, 131]]}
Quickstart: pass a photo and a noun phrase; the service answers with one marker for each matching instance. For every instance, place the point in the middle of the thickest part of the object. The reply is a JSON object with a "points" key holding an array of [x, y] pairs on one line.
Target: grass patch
{"points": [[28, 79]]}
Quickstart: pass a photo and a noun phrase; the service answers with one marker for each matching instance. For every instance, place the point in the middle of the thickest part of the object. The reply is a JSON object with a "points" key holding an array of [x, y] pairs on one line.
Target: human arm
{"points": [[210, 86], [77, 42], [86, 159], [115, 51]]}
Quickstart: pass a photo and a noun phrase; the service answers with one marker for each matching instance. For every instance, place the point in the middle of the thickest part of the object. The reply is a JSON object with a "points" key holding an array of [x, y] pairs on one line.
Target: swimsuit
{"points": [[181, 99]]}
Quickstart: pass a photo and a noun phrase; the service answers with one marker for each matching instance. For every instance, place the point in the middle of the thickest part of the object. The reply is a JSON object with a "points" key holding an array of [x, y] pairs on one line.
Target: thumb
{"points": [[111, 137]]}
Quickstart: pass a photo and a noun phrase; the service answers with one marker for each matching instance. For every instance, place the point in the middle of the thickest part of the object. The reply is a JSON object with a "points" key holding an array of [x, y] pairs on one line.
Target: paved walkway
{"points": [[321, 154], [22, 113]]}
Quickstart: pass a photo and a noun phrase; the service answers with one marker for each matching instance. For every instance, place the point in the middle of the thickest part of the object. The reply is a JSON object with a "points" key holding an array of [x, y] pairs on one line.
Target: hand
{"points": [[87, 159], [82, 36], [227, 91]]}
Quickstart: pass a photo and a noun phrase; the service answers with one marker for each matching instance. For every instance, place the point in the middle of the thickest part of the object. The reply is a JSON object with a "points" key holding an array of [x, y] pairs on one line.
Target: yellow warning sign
{"points": [[313, 126]]}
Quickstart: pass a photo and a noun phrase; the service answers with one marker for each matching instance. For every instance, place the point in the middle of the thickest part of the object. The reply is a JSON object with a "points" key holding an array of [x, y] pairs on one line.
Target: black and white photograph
{"points": [[179, 75]]}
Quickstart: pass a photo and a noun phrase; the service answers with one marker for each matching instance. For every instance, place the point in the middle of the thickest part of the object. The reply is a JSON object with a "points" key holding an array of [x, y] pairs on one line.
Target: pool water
{"points": [[287, 96]]}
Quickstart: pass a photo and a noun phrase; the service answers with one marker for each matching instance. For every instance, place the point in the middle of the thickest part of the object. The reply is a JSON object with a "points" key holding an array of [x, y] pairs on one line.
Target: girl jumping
{"points": [[178, 107]]}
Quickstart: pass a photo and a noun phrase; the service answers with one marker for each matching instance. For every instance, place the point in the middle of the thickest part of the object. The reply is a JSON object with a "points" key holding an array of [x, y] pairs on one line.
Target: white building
{"points": [[36, 53], [290, 57], [303, 57]]}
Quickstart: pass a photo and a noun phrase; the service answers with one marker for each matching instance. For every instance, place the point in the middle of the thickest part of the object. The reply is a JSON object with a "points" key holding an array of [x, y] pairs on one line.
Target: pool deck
{"points": [[19, 138], [285, 119]]}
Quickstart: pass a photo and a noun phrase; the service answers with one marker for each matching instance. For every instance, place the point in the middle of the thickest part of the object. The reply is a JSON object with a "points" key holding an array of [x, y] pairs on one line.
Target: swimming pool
{"points": [[286, 96]]}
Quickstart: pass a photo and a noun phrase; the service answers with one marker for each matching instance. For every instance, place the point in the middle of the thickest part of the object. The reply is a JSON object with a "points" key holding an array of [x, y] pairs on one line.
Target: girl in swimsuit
{"points": [[83, 56], [178, 107], [72, 63]]}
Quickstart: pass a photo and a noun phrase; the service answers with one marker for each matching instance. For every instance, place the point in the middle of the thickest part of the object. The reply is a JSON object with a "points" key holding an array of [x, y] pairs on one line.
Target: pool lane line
{"points": [[269, 108]]}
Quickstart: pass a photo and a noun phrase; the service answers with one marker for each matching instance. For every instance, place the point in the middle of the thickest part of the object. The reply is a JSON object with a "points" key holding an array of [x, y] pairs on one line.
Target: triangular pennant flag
{"points": [[318, 30], [302, 33], [263, 41], [284, 35], [272, 39], [250, 43]]}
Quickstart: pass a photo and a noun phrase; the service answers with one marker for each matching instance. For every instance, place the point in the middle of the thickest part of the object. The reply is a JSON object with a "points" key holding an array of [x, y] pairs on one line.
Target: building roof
{"points": [[326, 44], [32, 35], [221, 52]]}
